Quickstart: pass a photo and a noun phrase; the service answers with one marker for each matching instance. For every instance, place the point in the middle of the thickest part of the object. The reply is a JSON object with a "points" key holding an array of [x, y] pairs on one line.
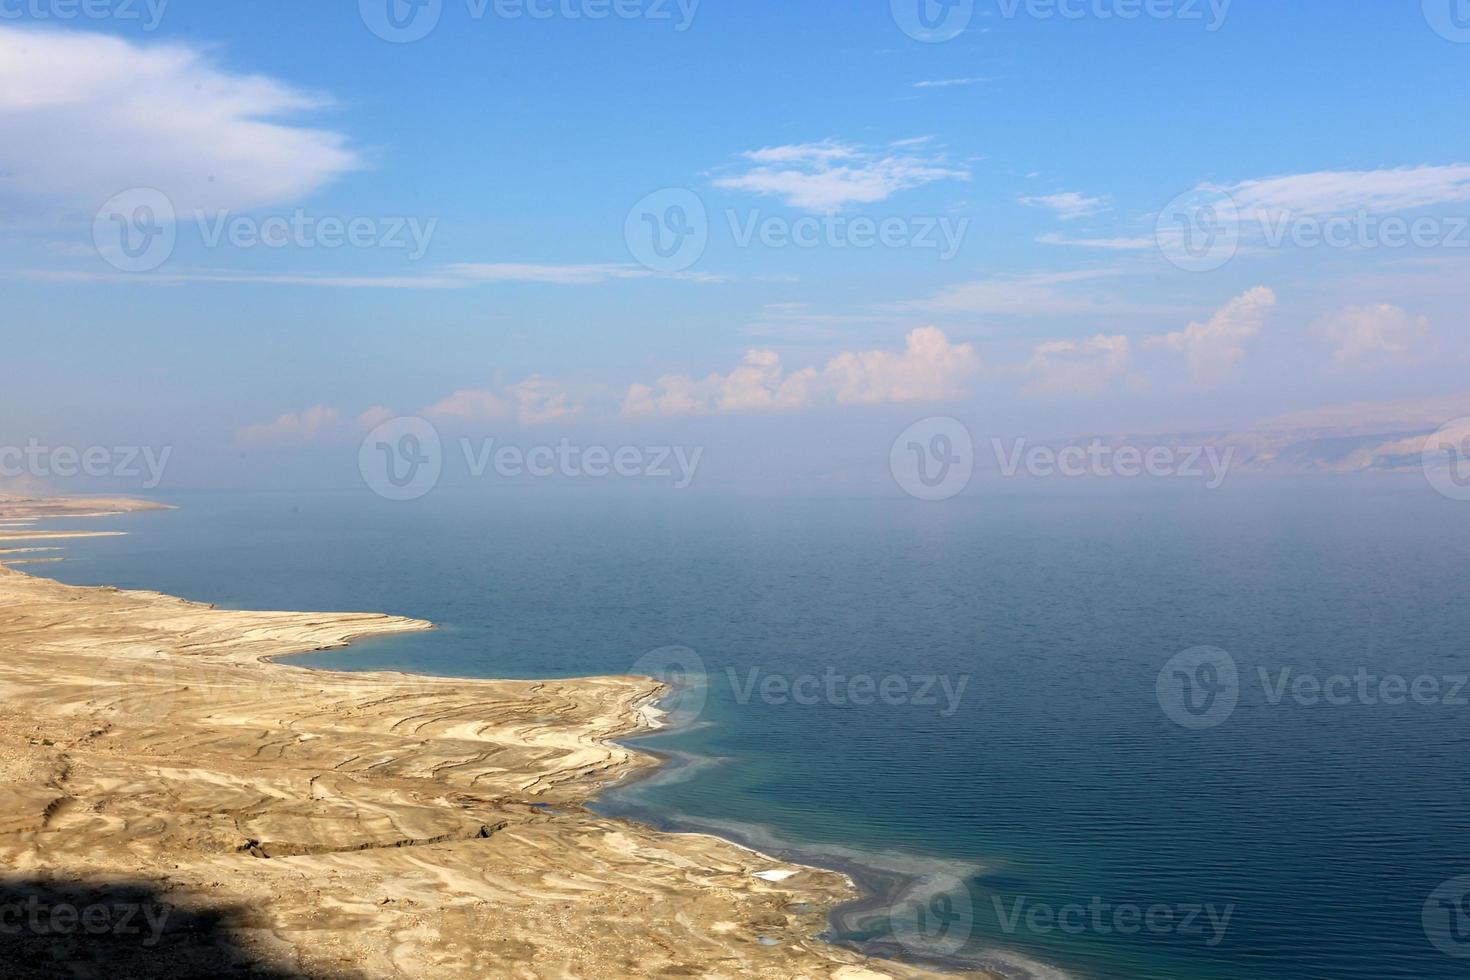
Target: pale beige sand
{"points": [[376, 825], [56, 535], [14, 507]]}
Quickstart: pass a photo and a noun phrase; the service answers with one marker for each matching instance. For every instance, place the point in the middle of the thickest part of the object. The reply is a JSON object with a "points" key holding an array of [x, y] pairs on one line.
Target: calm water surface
{"points": [[1052, 778]]}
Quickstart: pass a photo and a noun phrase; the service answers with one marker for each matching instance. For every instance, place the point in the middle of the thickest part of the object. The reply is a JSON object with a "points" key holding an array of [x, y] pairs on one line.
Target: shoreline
{"points": [[149, 732], [879, 878]]}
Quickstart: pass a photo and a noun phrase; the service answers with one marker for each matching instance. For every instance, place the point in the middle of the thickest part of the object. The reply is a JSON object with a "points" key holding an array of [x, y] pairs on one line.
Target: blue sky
{"points": [[1045, 147]]}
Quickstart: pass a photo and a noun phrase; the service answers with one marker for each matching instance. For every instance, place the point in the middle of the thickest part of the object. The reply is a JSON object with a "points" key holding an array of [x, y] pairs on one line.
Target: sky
{"points": [[252, 234]]}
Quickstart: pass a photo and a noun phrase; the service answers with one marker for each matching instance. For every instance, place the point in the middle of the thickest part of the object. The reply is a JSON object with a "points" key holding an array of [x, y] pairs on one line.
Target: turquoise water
{"points": [[1053, 780]]}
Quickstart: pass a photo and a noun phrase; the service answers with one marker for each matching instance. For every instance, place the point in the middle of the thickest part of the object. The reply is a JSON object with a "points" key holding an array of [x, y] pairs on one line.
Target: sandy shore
{"points": [[297, 822]]}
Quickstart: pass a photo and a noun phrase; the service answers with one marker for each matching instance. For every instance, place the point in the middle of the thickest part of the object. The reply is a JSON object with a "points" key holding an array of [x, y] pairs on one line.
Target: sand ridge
{"points": [[368, 825]]}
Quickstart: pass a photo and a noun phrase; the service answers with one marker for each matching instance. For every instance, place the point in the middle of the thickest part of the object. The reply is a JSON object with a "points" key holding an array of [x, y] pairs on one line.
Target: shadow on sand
{"points": [[126, 930]]}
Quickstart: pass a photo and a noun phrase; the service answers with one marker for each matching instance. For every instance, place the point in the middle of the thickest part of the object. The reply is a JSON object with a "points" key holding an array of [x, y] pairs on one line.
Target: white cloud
{"points": [[375, 417], [471, 405], [533, 401], [538, 401], [292, 428], [1066, 367], [759, 383], [1036, 294], [459, 276], [1139, 244], [1069, 205], [1365, 334], [244, 278], [929, 368], [1334, 192], [1265, 202], [949, 82], [560, 275], [829, 176], [1212, 349], [1266, 206], [85, 116], [798, 323]]}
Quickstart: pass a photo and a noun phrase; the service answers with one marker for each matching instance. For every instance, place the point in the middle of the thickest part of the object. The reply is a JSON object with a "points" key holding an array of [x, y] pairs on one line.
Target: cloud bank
{"points": [[1069, 205], [534, 401], [86, 116], [1067, 367], [929, 368], [1363, 335], [828, 176], [1213, 349]]}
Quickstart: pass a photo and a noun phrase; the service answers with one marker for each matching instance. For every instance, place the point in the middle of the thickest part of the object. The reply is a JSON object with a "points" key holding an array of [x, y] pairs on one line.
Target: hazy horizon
{"points": [[1050, 225]]}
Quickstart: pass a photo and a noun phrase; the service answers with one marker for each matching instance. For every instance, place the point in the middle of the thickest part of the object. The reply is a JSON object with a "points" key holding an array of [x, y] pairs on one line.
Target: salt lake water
{"points": [[986, 693]]}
